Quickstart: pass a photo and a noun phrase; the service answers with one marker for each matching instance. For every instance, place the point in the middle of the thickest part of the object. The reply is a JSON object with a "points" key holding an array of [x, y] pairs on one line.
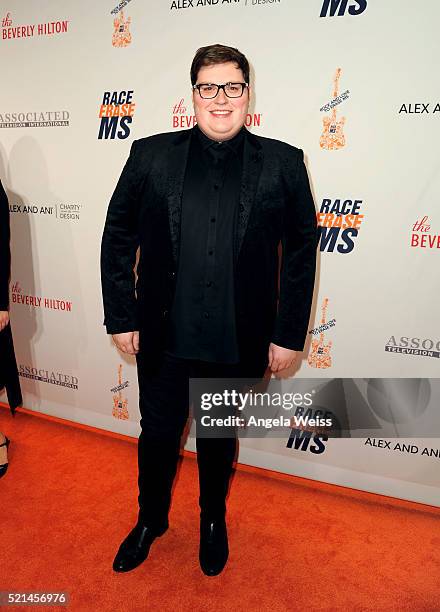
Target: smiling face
{"points": [[221, 118]]}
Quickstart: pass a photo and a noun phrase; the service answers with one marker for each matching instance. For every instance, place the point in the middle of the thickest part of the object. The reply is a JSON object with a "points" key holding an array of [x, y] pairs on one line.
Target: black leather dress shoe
{"points": [[214, 550], [135, 548]]}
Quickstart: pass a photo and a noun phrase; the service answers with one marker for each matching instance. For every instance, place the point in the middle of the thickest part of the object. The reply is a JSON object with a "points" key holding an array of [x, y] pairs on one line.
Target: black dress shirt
{"points": [[202, 318]]}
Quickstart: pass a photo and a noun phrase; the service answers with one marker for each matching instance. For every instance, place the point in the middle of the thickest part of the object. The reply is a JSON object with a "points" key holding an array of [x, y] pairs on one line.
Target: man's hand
{"points": [[128, 342], [4, 319], [280, 358]]}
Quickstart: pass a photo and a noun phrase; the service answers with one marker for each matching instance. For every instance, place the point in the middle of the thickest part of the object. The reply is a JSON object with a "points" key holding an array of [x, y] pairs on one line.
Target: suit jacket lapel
{"points": [[177, 158], [252, 164]]}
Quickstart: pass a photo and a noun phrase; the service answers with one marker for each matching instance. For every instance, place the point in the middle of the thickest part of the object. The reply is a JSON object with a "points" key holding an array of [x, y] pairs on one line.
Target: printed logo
{"points": [[313, 427], [329, 7], [47, 376], [411, 449], [319, 356], [120, 410], [338, 224], [421, 238], [186, 4], [9, 31], [35, 119], [419, 108], [413, 346], [116, 113], [36, 301], [121, 32], [258, 2], [332, 136], [300, 439], [64, 212], [181, 118]]}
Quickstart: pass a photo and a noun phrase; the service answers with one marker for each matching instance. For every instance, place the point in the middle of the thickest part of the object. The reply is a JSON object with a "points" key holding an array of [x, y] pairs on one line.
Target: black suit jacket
{"points": [[8, 371], [275, 205]]}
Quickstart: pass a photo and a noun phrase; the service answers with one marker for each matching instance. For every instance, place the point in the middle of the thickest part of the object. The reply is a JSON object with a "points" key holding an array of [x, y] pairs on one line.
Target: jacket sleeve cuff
{"points": [[121, 327], [287, 337]]}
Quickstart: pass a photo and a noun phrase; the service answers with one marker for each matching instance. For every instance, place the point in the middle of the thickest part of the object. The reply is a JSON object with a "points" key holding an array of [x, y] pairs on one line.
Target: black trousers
{"points": [[164, 408]]}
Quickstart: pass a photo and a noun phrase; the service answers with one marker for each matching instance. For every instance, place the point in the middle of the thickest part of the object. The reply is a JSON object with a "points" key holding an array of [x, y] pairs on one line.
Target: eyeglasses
{"points": [[210, 90]]}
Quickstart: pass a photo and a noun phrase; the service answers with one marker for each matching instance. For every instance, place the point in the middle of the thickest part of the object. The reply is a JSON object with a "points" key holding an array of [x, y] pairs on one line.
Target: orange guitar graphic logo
{"points": [[120, 410], [319, 356], [332, 136], [121, 34]]}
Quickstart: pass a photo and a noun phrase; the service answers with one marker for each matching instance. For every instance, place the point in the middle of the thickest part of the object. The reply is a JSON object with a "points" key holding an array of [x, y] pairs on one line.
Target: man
{"points": [[208, 207]]}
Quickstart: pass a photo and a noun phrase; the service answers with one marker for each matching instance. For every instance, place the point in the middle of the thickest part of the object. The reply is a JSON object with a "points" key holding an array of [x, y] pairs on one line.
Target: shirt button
{"points": [[212, 219], [216, 187], [210, 252], [208, 283], [206, 315]]}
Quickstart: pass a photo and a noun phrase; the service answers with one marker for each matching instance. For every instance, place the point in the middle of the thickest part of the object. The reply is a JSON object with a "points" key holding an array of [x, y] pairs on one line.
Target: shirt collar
{"points": [[232, 143]]}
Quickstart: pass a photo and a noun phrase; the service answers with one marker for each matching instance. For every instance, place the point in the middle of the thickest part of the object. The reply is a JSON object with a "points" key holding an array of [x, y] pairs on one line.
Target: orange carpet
{"points": [[69, 498]]}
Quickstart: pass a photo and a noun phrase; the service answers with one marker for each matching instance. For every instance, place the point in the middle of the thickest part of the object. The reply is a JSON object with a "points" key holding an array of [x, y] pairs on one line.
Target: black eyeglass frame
{"points": [[243, 85]]}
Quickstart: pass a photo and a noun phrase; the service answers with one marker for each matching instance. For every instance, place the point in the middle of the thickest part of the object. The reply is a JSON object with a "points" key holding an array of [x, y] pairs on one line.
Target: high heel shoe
{"points": [[4, 466]]}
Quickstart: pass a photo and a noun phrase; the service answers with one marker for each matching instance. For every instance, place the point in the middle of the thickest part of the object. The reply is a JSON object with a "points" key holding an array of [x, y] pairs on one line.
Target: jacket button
{"points": [[165, 313]]}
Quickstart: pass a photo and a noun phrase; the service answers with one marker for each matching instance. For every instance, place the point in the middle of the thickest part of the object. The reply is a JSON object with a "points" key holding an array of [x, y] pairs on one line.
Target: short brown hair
{"points": [[218, 54]]}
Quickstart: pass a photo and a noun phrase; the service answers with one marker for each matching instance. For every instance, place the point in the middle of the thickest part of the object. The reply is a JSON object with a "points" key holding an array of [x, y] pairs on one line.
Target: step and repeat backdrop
{"points": [[352, 83]]}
